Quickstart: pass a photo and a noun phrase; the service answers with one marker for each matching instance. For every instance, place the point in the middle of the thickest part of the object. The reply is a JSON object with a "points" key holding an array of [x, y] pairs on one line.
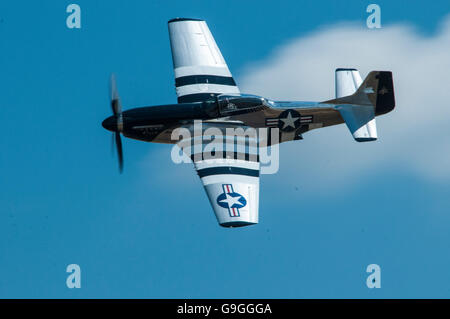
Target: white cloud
{"points": [[414, 137]]}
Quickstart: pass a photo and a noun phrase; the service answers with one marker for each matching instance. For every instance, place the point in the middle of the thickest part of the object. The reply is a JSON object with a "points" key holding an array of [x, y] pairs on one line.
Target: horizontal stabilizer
{"points": [[360, 121]]}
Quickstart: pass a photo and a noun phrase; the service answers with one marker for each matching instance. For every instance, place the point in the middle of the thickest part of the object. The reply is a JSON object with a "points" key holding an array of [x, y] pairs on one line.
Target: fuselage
{"points": [[156, 123]]}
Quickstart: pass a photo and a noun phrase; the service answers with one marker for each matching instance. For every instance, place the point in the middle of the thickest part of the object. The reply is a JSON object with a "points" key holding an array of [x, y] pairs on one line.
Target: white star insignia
{"points": [[289, 121], [230, 200]]}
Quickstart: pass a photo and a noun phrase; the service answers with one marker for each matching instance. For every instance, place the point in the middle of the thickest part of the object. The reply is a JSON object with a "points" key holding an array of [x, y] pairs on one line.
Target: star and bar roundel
{"points": [[231, 200], [289, 120]]}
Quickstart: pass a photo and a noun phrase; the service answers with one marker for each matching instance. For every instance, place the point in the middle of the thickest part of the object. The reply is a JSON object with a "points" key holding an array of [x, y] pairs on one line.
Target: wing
{"points": [[232, 187], [200, 69], [230, 178]]}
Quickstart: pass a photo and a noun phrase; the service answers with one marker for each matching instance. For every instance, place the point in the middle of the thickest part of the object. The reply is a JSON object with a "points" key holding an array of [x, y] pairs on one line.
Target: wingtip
{"points": [[365, 139], [236, 224]]}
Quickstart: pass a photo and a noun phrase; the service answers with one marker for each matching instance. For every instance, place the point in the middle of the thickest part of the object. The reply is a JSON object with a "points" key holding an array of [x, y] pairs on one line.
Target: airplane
{"points": [[207, 92]]}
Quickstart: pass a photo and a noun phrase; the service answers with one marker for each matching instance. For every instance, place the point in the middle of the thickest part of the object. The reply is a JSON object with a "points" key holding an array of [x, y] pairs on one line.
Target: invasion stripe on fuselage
{"points": [[204, 79]]}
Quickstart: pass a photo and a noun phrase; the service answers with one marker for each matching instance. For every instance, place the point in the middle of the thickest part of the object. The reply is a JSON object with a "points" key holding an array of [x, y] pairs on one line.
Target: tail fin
{"points": [[377, 90], [347, 81], [375, 96]]}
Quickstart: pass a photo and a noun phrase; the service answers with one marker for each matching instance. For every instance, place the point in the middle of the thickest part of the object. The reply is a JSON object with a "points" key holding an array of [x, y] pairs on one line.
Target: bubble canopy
{"points": [[240, 103]]}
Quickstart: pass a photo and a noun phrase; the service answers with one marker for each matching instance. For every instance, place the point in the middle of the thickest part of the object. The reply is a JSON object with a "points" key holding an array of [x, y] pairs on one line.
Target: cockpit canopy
{"points": [[237, 104]]}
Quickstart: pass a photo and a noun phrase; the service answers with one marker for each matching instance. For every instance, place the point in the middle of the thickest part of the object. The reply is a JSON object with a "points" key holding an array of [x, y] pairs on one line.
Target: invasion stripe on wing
{"points": [[226, 155], [205, 88], [204, 79], [225, 170]]}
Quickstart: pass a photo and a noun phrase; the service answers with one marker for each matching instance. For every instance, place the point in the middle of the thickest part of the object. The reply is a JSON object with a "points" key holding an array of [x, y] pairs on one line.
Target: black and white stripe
{"points": [[201, 87], [225, 170], [204, 79], [226, 155]]}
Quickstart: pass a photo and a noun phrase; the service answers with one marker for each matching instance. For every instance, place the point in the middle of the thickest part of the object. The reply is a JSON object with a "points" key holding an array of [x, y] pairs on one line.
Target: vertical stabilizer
{"points": [[347, 81]]}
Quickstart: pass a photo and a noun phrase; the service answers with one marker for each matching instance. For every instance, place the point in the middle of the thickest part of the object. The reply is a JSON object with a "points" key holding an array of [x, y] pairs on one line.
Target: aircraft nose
{"points": [[110, 124]]}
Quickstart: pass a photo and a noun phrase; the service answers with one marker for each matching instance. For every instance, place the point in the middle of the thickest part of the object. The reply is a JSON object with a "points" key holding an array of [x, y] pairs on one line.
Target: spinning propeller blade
{"points": [[116, 108]]}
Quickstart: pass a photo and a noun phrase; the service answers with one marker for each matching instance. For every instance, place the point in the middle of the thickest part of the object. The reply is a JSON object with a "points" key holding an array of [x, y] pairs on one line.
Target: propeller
{"points": [[117, 112]]}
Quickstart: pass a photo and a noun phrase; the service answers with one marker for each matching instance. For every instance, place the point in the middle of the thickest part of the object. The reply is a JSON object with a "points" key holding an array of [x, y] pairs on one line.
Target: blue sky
{"points": [[150, 233]]}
